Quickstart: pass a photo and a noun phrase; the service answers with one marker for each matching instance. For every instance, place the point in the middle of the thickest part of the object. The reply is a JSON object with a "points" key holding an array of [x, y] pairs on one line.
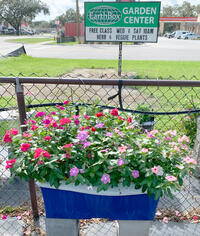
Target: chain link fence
{"points": [[168, 104]]}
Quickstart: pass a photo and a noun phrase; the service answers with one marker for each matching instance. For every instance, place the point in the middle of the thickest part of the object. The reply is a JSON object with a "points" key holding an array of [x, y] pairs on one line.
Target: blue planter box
{"points": [[113, 205]]}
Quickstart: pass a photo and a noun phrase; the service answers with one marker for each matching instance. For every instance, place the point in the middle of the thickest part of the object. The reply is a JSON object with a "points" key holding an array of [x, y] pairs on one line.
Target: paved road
{"points": [[165, 49]]}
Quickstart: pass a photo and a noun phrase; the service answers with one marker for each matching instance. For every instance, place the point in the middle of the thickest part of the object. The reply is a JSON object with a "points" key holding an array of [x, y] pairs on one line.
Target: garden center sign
{"points": [[122, 21]]}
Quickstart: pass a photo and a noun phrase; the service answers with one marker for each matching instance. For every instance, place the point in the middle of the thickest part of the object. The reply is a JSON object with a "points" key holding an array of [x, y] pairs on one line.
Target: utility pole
{"points": [[77, 21]]}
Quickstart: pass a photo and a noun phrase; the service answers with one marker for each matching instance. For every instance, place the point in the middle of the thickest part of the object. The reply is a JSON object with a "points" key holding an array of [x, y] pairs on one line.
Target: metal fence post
{"points": [[22, 117]]}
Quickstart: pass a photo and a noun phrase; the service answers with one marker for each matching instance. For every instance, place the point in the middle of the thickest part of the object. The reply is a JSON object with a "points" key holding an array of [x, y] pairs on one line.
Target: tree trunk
{"points": [[17, 30]]}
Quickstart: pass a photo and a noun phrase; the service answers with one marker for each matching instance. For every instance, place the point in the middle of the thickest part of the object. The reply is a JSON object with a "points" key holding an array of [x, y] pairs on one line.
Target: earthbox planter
{"points": [[83, 202]]}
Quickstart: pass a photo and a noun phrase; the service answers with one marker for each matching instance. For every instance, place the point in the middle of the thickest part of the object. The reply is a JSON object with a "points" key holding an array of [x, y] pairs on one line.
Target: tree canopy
{"points": [[69, 16], [15, 12], [184, 10]]}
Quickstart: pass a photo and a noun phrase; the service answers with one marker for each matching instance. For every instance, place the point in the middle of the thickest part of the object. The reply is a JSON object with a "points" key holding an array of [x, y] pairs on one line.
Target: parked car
{"points": [[11, 31], [177, 34], [190, 36], [26, 31]]}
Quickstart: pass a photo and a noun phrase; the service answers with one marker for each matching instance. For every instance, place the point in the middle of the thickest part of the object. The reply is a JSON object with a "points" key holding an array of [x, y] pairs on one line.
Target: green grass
{"points": [[29, 40], [55, 67]]}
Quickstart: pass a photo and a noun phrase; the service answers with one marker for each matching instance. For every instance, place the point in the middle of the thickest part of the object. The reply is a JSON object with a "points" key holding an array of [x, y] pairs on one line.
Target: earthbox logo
{"points": [[104, 15]]}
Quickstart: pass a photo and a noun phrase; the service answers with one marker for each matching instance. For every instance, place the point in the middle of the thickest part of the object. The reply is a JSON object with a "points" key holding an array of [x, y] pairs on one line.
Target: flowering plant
{"points": [[103, 149]]}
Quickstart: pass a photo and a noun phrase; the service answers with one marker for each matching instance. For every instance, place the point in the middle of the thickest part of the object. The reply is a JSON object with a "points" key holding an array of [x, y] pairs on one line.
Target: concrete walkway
{"points": [[14, 227]]}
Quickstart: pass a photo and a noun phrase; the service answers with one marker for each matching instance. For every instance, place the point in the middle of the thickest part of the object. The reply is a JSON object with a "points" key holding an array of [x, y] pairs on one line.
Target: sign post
{"points": [[122, 22]]}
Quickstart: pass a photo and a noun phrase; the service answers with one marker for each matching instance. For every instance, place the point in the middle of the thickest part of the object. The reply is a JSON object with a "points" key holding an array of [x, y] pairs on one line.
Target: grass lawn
{"points": [[29, 40], [55, 67]]}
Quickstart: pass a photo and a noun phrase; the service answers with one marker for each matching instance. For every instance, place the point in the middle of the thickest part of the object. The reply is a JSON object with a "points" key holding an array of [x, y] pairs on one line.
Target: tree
{"points": [[184, 10], [69, 16], [15, 12]]}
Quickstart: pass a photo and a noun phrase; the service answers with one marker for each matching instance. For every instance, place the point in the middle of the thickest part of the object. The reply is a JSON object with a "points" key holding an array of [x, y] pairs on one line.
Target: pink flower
{"points": [[114, 112], [109, 134], [171, 178], [168, 138], [86, 117], [82, 135], [152, 133], [144, 150], [157, 170], [40, 162], [120, 162], [122, 149], [39, 152], [60, 107], [74, 171], [66, 102], [105, 178], [10, 163], [14, 131], [76, 122], [177, 213], [184, 138], [47, 138], [4, 217], [135, 174], [65, 121], [171, 133], [53, 113], [40, 114], [99, 125], [31, 122], [46, 121], [86, 144], [26, 135], [24, 147], [189, 160], [19, 217], [165, 220], [7, 137]]}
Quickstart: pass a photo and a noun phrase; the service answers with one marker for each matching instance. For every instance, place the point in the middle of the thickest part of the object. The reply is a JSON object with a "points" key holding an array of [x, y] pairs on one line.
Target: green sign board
{"points": [[122, 21]]}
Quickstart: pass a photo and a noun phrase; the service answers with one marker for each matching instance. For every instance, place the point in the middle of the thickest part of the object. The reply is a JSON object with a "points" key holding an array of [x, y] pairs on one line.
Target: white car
{"points": [[190, 36]]}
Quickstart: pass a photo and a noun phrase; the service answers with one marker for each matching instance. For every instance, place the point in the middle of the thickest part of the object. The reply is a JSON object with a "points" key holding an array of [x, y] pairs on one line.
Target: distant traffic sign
{"points": [[122, 21]]}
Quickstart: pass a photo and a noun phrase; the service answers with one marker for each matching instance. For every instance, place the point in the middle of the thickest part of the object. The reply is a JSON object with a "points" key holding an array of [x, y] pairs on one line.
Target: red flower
{"points": [[10, 163], [69, 145], [93, 129], [47, 138], [99, 114], [195, 218], [34, 127], [65, 121], [7, 137], [129, 120], [25, 147], [114, 112]]}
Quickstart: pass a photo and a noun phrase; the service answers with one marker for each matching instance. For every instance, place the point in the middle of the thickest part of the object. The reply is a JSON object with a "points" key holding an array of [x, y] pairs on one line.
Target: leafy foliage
{"points": [[98, 148], [15, 12]]}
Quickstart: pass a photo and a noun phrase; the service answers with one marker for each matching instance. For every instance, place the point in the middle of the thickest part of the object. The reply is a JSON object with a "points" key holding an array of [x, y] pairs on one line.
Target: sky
{"points": [[58, 7]]}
